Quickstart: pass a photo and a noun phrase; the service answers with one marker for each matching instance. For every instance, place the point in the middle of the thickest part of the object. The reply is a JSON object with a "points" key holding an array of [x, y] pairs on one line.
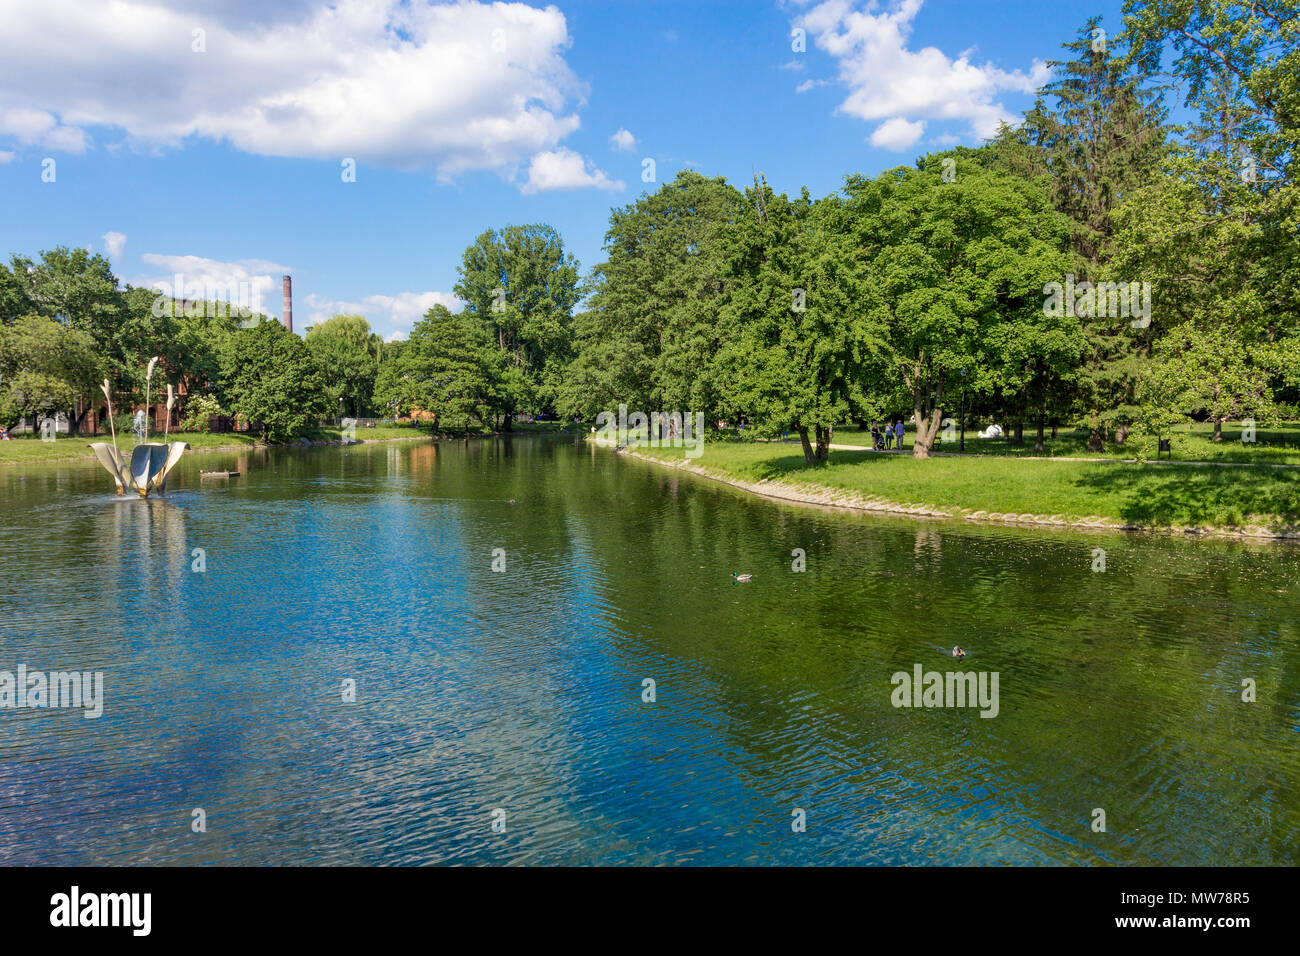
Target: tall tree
{"points": [[1102, 137], [797, 349], [347, 351], [441, 371], [652, 325], [520, 284], [1220, 232], [954, 264], [73, 286], [13, 296], [270, 377], [44, 366]]}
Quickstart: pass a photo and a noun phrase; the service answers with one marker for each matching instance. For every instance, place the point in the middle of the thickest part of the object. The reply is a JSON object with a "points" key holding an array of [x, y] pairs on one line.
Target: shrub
{"points": [[198, 410]]}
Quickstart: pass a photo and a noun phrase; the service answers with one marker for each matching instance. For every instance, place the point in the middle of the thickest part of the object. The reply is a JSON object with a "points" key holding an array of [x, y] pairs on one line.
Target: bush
{"points": [[122, 422], [199, 409]]}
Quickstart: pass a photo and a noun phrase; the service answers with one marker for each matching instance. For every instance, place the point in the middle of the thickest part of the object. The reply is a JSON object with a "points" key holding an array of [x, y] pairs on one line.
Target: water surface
{"points": [[522, 690]]}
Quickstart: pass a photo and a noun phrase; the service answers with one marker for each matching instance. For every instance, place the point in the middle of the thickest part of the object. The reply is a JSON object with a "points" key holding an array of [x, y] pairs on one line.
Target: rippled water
{"points": [[522, 690]]}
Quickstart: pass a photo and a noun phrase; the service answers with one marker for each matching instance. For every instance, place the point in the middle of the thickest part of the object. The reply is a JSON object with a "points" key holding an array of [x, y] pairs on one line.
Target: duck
{"points": [[741, 578], [958, 652]]}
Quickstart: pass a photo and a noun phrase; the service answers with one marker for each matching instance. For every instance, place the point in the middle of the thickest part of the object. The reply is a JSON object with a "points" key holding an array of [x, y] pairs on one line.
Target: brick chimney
{"points": [[287, 317]]}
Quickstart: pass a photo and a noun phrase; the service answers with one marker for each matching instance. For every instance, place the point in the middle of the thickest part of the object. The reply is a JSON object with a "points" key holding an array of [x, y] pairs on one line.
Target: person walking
{"points": [[889, 437], [875, 437], [898, 434]]}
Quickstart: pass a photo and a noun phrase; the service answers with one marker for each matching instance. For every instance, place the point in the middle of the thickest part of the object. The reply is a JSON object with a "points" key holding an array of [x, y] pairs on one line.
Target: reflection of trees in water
{"points": [[1120, 687], [927, 545]]}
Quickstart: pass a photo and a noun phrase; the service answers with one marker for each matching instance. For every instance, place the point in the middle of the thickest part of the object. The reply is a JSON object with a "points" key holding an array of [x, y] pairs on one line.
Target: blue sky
{"points": [[224, 163]]}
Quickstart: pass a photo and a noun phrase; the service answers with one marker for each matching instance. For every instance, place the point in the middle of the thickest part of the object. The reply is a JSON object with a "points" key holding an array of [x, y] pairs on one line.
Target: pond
{"points": [[316, 663]]}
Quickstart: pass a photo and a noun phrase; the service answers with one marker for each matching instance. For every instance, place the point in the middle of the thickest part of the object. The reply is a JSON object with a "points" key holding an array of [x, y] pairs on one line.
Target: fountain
{"points": [[150, 461]]}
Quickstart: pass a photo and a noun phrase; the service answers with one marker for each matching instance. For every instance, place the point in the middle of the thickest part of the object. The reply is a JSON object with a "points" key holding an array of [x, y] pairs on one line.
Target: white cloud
{"points": [[453, 86], [249, 283], [6, 156], [565, 169], [114, 243], [887, 81], [623, 140], [807, 85], [897, 134], [28, 126], [390, 315]]}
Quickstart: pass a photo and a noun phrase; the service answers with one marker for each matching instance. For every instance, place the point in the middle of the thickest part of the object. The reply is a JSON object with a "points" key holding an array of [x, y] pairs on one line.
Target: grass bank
{"points": [[24, 449], [1260, 500], [30, 448]]}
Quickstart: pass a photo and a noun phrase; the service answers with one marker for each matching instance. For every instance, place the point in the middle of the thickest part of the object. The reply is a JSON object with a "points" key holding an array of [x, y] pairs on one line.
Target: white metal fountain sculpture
{"points": [[150, 461]]}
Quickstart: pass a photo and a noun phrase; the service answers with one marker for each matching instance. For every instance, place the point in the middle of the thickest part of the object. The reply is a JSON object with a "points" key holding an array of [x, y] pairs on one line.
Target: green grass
{"points": [[1150, 495], [1277, 444], [30, 448]]}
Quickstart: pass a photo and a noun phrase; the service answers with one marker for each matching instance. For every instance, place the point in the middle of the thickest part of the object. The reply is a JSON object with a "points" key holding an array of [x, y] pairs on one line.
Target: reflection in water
{"points": [[522, 689]]}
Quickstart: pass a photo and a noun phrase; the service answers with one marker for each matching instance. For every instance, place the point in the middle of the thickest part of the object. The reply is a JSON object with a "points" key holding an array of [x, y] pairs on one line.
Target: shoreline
{"points": [[827, 496], [227, 449], [257, 446]]}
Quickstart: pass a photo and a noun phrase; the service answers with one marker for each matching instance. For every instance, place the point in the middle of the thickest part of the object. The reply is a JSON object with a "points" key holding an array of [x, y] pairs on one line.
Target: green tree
{"points": [[347, 351], [269, 376], [75, 287], [798, 349], [440, 371], [519, 285], [13, 296], [1218, 233], [651, 329], [44, 366], [952, 268], [1104, 137]]}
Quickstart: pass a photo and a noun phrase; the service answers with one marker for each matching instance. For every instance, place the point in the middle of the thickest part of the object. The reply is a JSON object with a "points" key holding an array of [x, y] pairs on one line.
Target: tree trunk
{"points": [[1096, 435], [75, 419], [927, 412], [808, 454], [1218, 422], [1019, 433], [1053, 431], [1121, 434], [927, 428], [1039, 447], [823, 444]]}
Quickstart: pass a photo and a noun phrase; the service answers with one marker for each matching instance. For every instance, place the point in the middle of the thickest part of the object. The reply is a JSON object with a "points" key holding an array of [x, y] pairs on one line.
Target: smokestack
{"points": [[288, 304]]}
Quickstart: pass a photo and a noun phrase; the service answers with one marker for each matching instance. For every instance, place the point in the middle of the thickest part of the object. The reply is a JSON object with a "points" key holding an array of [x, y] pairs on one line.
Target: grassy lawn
{"points": [[1151, 495], [1278, 444], [25, 448]]}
